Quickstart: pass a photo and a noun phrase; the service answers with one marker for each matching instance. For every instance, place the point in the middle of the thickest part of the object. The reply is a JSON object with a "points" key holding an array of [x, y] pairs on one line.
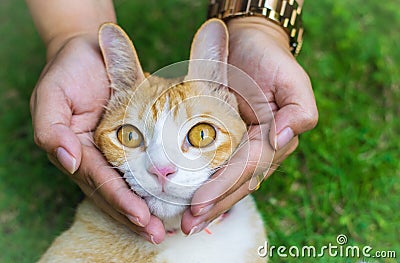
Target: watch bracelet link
{"points": [[286, 13]]}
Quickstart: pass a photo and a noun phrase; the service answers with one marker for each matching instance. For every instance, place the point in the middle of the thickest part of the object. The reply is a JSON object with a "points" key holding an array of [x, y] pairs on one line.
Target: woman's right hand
{"points": [[66, 106]]}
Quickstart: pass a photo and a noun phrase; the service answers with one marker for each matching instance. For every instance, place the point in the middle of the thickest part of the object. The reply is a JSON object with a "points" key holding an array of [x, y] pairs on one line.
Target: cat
{"points": [[167, 137]]}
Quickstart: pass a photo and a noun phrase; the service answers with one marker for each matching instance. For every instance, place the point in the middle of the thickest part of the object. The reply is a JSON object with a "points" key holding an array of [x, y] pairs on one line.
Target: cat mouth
{"points": [[167, 197], [168, 191]]}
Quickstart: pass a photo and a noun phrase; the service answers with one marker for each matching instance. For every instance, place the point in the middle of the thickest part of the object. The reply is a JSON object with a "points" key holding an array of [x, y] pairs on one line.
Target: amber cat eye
{"points": [[201, 135], [129, 136]]}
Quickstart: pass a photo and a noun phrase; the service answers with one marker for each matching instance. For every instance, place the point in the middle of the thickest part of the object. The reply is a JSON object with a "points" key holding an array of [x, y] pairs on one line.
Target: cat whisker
{"points": [[89, 137], [260, 164], [106, 107], [276, 170], [215, 179], [250, 136], [101, 185], [247, 162]]}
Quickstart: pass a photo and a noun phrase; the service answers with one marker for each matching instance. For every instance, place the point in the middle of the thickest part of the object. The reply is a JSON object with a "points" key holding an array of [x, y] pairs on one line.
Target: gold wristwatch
{"points": [[286, 13]]}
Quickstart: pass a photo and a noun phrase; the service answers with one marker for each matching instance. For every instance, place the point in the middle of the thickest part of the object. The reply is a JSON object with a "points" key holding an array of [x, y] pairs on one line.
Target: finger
{"points": [[297, 108], [198, 223], [253, 157], [286, 150], [189, 221], [113, 195], [51, 115], [108, 185], [153, 232], [121, 203], [104, 180], [253, 183]]}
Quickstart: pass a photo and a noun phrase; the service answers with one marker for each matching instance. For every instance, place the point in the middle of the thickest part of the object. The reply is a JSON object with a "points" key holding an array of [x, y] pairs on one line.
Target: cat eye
{"points": [[201, 135], [129, 136]]}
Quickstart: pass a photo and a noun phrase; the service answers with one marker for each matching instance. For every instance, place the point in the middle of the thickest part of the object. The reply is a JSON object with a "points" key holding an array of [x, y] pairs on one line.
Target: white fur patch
{"points": [[232, 240]]}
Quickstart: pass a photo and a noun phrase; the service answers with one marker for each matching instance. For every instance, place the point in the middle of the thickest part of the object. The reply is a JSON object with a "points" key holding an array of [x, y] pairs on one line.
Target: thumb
{"points": [[51, 119], [297, 110]]}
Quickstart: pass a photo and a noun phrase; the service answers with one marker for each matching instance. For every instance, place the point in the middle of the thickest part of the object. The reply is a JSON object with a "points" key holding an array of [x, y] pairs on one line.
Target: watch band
{"points": [[287, 13]]}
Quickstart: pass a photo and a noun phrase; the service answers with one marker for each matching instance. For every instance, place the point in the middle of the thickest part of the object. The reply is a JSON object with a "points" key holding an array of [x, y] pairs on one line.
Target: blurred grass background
{"points": [[343, 179]]}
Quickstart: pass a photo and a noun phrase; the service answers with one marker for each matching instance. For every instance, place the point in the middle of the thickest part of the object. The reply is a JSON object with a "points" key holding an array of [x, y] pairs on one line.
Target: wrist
{"points": [[287, 14], [261, 25], [57, 42], [59, 21]]}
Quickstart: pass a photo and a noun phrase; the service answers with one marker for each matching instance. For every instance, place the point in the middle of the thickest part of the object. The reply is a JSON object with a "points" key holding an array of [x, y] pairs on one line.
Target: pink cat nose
{"points": [[162, 172]]}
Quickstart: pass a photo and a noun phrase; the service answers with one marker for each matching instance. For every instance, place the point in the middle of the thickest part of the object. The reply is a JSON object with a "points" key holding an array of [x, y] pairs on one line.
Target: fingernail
{"points": [[197, 229], [66, 160], [284, 137], [135, 220], [204, 210], [254, 183], [148, 237], [152, 240]]}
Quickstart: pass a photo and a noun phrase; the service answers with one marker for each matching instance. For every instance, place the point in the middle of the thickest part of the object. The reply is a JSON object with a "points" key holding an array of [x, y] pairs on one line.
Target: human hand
{"points": [[260, 48], [66, 105]]}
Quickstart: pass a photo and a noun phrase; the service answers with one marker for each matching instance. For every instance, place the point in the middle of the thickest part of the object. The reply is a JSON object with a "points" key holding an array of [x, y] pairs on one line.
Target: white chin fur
{"points": [[167, 207], [162, 209]]}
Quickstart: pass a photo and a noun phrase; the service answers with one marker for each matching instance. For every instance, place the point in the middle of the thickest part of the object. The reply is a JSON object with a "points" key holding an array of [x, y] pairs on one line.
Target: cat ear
{"points": [[122, 63], [210, 43]]}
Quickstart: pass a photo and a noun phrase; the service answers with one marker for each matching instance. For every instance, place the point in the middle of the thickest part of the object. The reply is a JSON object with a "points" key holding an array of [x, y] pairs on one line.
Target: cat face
{"points": [[167, 136]]}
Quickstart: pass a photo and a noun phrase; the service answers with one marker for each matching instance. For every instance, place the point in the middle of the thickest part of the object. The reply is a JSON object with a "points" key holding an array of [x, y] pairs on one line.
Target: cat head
{"points": [[167, 136]]}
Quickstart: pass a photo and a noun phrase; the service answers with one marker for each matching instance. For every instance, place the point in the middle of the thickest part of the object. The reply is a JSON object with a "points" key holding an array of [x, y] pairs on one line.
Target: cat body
{"points": [[166, 137], [96, 237]]}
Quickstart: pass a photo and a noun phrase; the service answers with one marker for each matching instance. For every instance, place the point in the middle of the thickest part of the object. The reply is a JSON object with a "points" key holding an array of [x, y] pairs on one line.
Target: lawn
{"points": [[344, 178]]}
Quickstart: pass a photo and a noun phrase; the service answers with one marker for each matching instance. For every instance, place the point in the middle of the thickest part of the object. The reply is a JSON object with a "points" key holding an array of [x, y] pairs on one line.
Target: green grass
{"points": [[343, 179]]}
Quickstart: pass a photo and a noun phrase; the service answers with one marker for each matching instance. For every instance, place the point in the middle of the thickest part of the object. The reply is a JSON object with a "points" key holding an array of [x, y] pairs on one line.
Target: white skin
{"points": [[68, 100]]}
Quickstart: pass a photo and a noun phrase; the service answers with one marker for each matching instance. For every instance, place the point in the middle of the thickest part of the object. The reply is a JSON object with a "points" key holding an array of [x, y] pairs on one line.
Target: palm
{"points": [[261, 62], [286, 87], [84, 83]]}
